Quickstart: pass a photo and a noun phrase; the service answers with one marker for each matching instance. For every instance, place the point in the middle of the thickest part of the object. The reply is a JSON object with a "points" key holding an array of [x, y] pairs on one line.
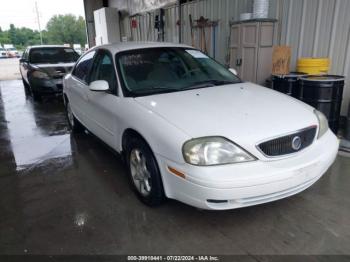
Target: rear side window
{"points": [[82, 69]]}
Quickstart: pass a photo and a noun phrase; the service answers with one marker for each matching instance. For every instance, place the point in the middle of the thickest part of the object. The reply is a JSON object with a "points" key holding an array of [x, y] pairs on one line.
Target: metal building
{"points": [[313, 28]]}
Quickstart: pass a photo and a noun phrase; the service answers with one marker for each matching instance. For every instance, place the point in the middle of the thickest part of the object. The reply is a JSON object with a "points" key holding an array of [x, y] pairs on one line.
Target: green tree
{"points": [[20, 37], [66, 29], [4, 39], [61, 29], [12, 34]]}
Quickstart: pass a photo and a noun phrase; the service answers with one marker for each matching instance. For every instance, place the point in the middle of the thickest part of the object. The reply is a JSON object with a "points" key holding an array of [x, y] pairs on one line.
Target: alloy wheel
{"points": [[139, 172]]}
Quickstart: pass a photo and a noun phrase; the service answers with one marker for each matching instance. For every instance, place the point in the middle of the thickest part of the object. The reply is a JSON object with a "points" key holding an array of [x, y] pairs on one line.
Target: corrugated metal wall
{"points": [[319, 28], [145, 30]]}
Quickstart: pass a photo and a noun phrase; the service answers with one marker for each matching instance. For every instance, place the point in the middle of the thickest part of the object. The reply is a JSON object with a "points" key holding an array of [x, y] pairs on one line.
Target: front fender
{"points": [[164, 138]]}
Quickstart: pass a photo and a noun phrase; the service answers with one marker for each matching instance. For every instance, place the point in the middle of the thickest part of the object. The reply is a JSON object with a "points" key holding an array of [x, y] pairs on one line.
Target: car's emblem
{"points": [[296, 143]]}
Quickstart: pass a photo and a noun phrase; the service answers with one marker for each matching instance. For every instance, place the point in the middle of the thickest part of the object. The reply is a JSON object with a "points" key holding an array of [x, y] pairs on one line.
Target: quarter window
{"points": [[103, 69], [82, 69]]}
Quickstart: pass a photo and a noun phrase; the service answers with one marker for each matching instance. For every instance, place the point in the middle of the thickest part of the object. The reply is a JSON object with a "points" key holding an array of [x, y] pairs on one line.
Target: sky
{"points": [[22, 13]]}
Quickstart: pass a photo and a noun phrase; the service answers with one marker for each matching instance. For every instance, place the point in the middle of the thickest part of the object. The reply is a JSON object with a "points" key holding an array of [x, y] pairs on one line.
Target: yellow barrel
{"points": [[313, 66]]}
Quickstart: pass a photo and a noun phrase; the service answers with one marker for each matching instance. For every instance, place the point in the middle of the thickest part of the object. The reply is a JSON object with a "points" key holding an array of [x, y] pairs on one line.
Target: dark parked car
{"points": [[43, 68]]}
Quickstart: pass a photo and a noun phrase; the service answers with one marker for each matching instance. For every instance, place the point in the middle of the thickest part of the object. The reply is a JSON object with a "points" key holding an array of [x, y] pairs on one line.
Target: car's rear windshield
{"points": [[169, 69], [52, 55]]}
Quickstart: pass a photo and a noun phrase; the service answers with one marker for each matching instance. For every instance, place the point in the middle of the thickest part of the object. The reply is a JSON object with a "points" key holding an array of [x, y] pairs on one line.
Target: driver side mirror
{"points": [[233, 71], [99, 86], [21, 60]]}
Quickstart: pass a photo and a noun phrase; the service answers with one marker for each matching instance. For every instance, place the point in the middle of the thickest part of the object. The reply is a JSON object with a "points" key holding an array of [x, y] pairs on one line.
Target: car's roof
{"points": [[48, 46], [124, 46]]}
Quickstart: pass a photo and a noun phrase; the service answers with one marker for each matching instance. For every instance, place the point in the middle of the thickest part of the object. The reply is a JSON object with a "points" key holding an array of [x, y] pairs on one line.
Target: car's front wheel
{"points": [[73, 123], [144, 172], [35, 94], [26, 87]]}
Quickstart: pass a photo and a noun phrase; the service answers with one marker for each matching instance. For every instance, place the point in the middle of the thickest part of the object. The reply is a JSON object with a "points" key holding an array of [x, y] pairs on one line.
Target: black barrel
{"points": [[288, 84], [325, 93]]}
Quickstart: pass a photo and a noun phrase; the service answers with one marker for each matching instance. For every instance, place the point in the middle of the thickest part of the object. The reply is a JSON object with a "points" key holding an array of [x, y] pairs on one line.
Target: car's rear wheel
{"points": [[73, 123], [144, 172]]}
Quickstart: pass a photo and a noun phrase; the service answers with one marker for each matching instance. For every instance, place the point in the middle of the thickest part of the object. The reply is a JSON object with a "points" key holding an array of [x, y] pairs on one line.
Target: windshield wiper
{"points": [[155, 90], [208, 83]]}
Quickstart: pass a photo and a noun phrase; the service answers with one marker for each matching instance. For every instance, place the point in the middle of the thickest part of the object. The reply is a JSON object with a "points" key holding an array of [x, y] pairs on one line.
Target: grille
{"points": [[60, 72], [284, 145]]}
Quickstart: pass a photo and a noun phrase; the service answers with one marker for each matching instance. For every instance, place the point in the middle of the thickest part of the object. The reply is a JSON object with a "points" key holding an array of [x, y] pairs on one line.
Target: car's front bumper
{"points": [[252, 183], [47, 86]]}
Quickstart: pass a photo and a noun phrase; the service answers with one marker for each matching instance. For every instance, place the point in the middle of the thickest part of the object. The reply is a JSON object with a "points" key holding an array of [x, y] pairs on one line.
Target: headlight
{"points": [[322, 123], [40, 74], [209, 151]]}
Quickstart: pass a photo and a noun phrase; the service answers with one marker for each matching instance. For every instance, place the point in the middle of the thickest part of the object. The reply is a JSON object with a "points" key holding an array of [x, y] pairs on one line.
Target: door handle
{"points": [[239, 62]]}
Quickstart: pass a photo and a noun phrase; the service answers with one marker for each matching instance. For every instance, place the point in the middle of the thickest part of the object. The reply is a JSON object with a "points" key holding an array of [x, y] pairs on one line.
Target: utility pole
{"points": [[180, 20], [38, 18]]}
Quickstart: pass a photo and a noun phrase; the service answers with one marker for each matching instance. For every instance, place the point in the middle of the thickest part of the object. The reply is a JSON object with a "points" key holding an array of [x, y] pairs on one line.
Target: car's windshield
{"points": [[12, 49], [52, 55], [168, 69], [2, 49]]}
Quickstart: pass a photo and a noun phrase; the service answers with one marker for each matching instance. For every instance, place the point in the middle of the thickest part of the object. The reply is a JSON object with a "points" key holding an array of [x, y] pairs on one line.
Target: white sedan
{"points": [[191, 130]]}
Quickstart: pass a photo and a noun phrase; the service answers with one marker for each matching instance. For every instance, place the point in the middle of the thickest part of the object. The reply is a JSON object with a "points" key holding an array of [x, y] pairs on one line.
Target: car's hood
{"points": [[59, 69], [245, 113]]}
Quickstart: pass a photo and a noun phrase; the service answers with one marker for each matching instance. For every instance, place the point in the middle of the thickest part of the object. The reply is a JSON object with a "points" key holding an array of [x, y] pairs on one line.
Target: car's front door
{"points": [[103, 105]]}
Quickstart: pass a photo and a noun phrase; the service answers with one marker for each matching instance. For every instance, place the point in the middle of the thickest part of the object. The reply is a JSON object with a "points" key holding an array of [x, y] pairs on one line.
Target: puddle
{"points": [[39, 149], [37, 131]]}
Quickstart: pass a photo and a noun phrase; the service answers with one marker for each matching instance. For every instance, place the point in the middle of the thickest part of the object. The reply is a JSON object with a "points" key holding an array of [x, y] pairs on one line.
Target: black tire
{"points": [[36, 95], [155, 196], [25, 84], [73, 123], [26, 88]]}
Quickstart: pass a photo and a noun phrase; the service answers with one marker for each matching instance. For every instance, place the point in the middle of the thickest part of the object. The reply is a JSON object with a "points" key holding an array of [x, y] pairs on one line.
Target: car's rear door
{"points": [[103, 105]]}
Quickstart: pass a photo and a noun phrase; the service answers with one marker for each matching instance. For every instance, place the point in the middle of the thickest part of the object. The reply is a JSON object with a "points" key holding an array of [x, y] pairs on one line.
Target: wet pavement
{"points": [[9, 69], [69, 194]]}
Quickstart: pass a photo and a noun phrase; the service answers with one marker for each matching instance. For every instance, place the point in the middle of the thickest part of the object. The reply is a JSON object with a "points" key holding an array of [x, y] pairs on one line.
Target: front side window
{"points": [[160, 70], [103, 69], [82, 69], [52, 55]]}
